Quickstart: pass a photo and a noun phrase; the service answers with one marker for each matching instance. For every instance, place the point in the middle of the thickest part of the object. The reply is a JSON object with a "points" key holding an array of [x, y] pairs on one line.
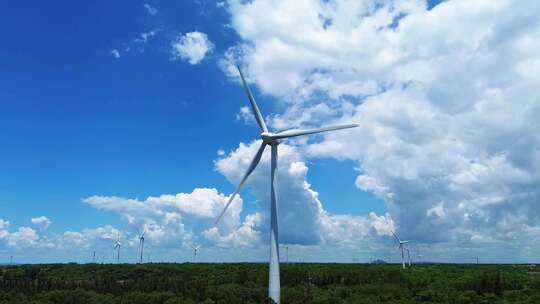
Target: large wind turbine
{"points": [[141, 245], [272, 140], [402, 248], [117, 247]]}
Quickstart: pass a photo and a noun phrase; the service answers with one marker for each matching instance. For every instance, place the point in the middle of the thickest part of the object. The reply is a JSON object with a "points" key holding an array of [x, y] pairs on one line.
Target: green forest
{"points": [[247, 283]]}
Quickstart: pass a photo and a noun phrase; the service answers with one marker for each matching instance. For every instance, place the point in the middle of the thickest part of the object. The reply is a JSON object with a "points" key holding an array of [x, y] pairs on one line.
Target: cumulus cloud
{"points": [[193, 47], [446, 99], [188, 218], [41, 222], [302, 218], [164, 218]]}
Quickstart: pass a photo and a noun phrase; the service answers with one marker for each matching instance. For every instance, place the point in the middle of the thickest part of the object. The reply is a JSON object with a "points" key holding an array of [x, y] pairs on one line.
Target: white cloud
{"points": [[302, 218], [41, 222], [245, 115], [164, 217], [115, 53], [193, 47], [150, 9], [446, 100], [4, 225]]}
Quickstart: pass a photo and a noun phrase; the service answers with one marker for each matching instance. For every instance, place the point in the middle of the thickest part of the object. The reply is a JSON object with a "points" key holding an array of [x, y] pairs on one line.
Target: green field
{"points": [[247, 283]]}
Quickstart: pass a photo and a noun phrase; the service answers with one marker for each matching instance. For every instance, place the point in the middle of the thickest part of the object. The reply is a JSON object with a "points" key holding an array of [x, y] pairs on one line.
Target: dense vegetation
{"points": [[247, 283]]}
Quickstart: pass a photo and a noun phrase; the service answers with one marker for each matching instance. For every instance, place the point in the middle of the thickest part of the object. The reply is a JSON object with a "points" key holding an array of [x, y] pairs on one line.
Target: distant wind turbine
{"points": [[272, 140], [408, 256], [117, 247], [141, 245], [195, 250], [93, 257], [402, 248]]}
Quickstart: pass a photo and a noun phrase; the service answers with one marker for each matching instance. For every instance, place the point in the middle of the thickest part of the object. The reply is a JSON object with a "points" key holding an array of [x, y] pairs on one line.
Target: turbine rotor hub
{"points": [[268, 138]]}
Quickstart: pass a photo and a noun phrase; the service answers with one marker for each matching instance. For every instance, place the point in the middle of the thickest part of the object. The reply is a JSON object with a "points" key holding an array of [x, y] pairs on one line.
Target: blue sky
{"points": [[95, 102], [135, 126]]}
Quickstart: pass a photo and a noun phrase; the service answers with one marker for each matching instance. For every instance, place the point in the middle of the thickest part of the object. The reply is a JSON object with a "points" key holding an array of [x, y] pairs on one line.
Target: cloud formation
{"points": [[193, 47], [150, 9], [446, 99], [165, 218], [302, 218], [115, 53], [41, 222]]}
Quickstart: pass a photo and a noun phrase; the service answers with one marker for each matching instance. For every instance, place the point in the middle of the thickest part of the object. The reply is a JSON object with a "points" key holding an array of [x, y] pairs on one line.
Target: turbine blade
{"points": [[254, 107], [292, 133], [399, 241], [251, 167]]}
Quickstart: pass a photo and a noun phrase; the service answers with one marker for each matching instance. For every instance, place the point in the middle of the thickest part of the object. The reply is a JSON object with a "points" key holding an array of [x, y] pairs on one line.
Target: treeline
{"points": [[247, 283]]}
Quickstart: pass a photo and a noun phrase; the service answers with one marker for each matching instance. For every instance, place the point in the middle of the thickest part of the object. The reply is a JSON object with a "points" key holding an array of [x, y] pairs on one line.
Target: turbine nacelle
{"points": [[269, 138]]}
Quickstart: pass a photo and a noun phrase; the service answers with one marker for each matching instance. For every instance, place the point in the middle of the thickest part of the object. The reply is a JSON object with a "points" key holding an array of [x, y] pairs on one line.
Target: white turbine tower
{"points": [[117, 247], [402, 248], [272, 140], [408, 256], [141, 245]]}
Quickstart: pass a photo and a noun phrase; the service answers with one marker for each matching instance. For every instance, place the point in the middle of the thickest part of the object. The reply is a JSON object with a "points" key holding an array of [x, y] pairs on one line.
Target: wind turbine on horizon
{"points": [[117, 247], [141, 245], [195, 250], [272, 140], [402, 248]]}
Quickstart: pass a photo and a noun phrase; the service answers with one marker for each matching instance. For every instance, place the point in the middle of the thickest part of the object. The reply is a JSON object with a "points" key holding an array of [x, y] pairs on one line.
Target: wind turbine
{"points": [[402, 248], [93, 257], [117, 247], [272, 140], [195, 249], [408, 256], [141, 244]]}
